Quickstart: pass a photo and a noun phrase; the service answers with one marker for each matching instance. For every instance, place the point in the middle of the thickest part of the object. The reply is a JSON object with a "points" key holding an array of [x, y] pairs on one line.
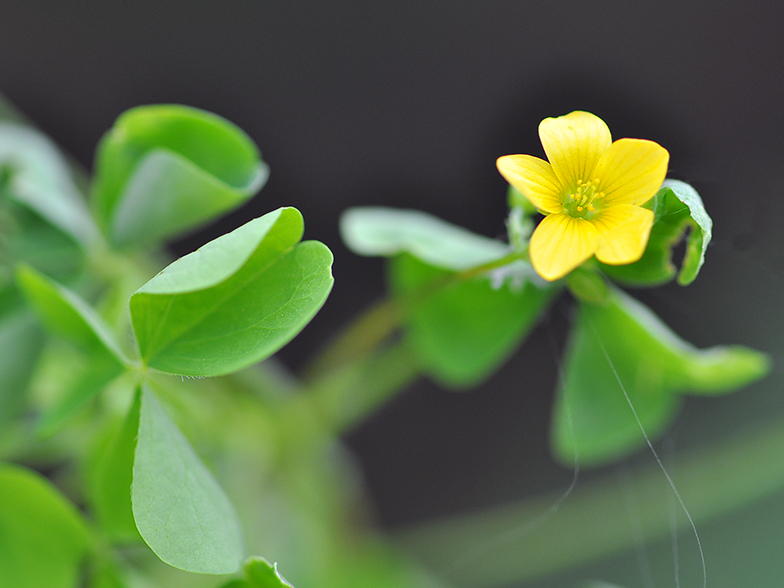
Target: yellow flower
{"points": [[591, 191]]}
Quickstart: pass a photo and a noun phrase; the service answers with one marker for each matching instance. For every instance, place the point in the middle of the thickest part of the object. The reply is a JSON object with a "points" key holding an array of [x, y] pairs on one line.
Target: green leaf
{"points": [[165, 169], [260, 574], [112, 477], [623, 348], [21, 340], [28, 238], [92, 373], [464, 329], [67, 314], [107, 576], [43, 540], [235, 301], [179, 509], [39, 177], [388, 232], [678, 209], [375, 564], [701, 230]]}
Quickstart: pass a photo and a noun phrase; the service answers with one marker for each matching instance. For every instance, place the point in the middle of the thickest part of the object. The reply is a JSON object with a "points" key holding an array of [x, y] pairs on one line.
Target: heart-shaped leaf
{"points": [[678, 209], [38, 176], [180, 510], [165, 169], [235, 301], [66, 313], [621, 354], [386, 232], [462, 331]]}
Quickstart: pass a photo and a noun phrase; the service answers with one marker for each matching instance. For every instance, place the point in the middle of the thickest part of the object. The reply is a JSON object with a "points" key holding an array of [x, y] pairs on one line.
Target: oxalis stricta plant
{"points": [[136, 428]]}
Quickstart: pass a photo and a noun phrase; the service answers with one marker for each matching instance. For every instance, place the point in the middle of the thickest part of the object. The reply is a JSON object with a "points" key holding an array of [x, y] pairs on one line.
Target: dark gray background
{"points": [[409, 104]]}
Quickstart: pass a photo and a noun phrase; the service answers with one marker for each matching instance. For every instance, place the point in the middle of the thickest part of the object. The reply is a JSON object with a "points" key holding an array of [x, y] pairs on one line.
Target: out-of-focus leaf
{"points": [[112, 477], [39, 177], [165, 169], [375, 564], [43, 540], [21, 341], [621, 349], [588, 285], [65, 313], [91, 377], [180, 510], [516, 199], [235, 301], [462, 331], [678, 208], [107, 576], [28, 238], [386, 232], [261, 574]]}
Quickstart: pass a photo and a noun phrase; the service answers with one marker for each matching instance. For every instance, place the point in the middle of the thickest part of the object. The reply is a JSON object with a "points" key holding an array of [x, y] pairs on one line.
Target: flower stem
{"points": [[375, 325], [357, 372]]}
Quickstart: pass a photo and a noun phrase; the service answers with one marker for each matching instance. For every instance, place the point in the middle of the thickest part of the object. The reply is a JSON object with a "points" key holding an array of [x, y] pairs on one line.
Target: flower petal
{"points": [[623, 233], [560, 243], [574, 144], [534, 178], [631, 171]]}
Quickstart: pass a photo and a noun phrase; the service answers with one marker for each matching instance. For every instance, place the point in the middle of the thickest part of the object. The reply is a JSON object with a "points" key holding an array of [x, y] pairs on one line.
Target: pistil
{"points": [[580, 202]]}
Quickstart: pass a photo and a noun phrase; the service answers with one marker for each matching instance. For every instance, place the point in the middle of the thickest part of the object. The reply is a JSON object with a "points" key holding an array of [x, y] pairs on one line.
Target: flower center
{"points": [[581, 201]]}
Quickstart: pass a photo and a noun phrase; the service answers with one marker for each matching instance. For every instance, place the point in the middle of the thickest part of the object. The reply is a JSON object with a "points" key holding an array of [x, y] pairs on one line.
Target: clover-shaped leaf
{"points": [[235, 301], [621, 354], [678, 209], [165, 169], [38, 176], [463, 330], [180, 510], [65, 313], [386, 232]]}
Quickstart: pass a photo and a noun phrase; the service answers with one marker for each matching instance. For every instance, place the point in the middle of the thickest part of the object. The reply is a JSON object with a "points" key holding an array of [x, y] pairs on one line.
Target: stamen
{"points": [[581, 200]]}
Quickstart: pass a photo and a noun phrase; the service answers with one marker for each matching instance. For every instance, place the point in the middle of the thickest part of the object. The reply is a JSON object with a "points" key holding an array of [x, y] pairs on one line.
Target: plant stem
{"points": [[348, 395], [358, 340], [355, 374], [376, 324]]}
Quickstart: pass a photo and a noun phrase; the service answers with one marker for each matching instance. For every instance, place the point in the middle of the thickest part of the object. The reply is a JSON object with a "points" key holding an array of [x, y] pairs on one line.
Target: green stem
{"points": [[346, 396], [529, 539], [361, 338], [376, 324], [354, 374]]}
